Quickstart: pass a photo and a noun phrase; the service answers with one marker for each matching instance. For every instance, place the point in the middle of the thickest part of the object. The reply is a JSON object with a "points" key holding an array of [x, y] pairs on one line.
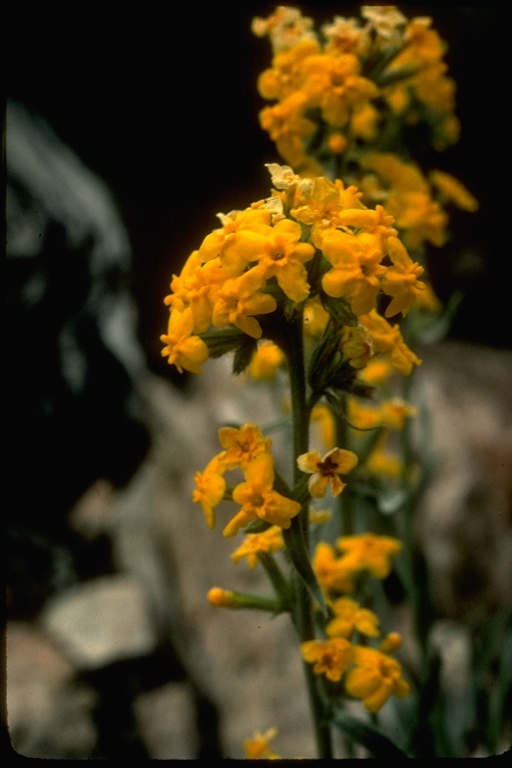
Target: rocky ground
{"points": [[135, 662]]}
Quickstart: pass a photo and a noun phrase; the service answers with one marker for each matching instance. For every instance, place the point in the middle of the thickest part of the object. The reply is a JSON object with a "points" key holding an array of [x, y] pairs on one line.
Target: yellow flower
{"points": [[322, 206], [258, 747], [255, 544], [259, 500], [356, 345], [376, 372], [196, 287], [221, 598], [183, 349], [242, 444], [374, 678], [279, 254], [356, 268], [369, 552], [362, 416], [323, 416], [325, 470], [285, 27], [210, 487], [427, 301], [349, 616], [286, 125], [451, 190], [333, 574], [266, 361], [315, 317], [334, 84], [394, 412], [401, 280], [239, 300], [215, 244], [329, 657], [388, 339]]}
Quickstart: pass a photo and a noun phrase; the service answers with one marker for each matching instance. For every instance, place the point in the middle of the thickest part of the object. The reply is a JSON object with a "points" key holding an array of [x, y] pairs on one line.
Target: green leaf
{"points": [[299, 556], [243, 355], [367, 735]]}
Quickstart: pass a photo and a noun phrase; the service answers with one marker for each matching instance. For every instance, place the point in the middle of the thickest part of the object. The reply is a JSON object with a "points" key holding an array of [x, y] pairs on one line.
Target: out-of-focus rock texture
{"points": [[112, 650]]}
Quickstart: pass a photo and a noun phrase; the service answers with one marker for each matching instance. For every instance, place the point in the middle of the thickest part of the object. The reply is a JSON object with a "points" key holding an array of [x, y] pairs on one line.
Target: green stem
{"points": [[304, 609], [344, 499]]}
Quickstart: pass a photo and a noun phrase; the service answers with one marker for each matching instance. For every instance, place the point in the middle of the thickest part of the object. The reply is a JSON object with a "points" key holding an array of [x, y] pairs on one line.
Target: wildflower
{"points": [[333, 574], [345, 36], [286, 125], [394, 412], [216, 243], [184, 350], [210, 488], [401, 280], [407, 197], [196, 287], [221, 598], [284, 177], [322, 207], [266, 361], [330, 657], [356, 268], [451, 190], [386, 20], [337, 143], [388, 338], [356, 345], [362, 416], [374, 678], [258, 747], [349, 616], [376, 372], [239, 300], [279, 254], [285, 26], [315, 317], [391, 642], [255, 544], [427, 301], [242, 445], [323, 416], [335, 85], [258, 499], [325, 470], [370, 552]]}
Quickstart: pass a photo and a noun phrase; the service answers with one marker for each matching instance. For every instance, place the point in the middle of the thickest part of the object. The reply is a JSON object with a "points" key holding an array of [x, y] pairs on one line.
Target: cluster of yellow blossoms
{"points": [[353, 82], [344, 99], [310, 242], [368, 673]]}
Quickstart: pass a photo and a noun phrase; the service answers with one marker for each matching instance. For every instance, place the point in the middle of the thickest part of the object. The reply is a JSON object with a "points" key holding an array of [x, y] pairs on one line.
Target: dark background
{"points": [[163, 106]]}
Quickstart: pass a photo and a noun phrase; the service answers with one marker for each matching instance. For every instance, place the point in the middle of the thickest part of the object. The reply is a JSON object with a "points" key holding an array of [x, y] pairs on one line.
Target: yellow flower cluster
{"points": [[352, 82], [416, 202], [368, 673], [337, 568], [245, 448], [311, 242]]}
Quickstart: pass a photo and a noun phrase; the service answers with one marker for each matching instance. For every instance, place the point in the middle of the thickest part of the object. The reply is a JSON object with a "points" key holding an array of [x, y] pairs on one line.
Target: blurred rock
{"points": [[102, 620]]}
